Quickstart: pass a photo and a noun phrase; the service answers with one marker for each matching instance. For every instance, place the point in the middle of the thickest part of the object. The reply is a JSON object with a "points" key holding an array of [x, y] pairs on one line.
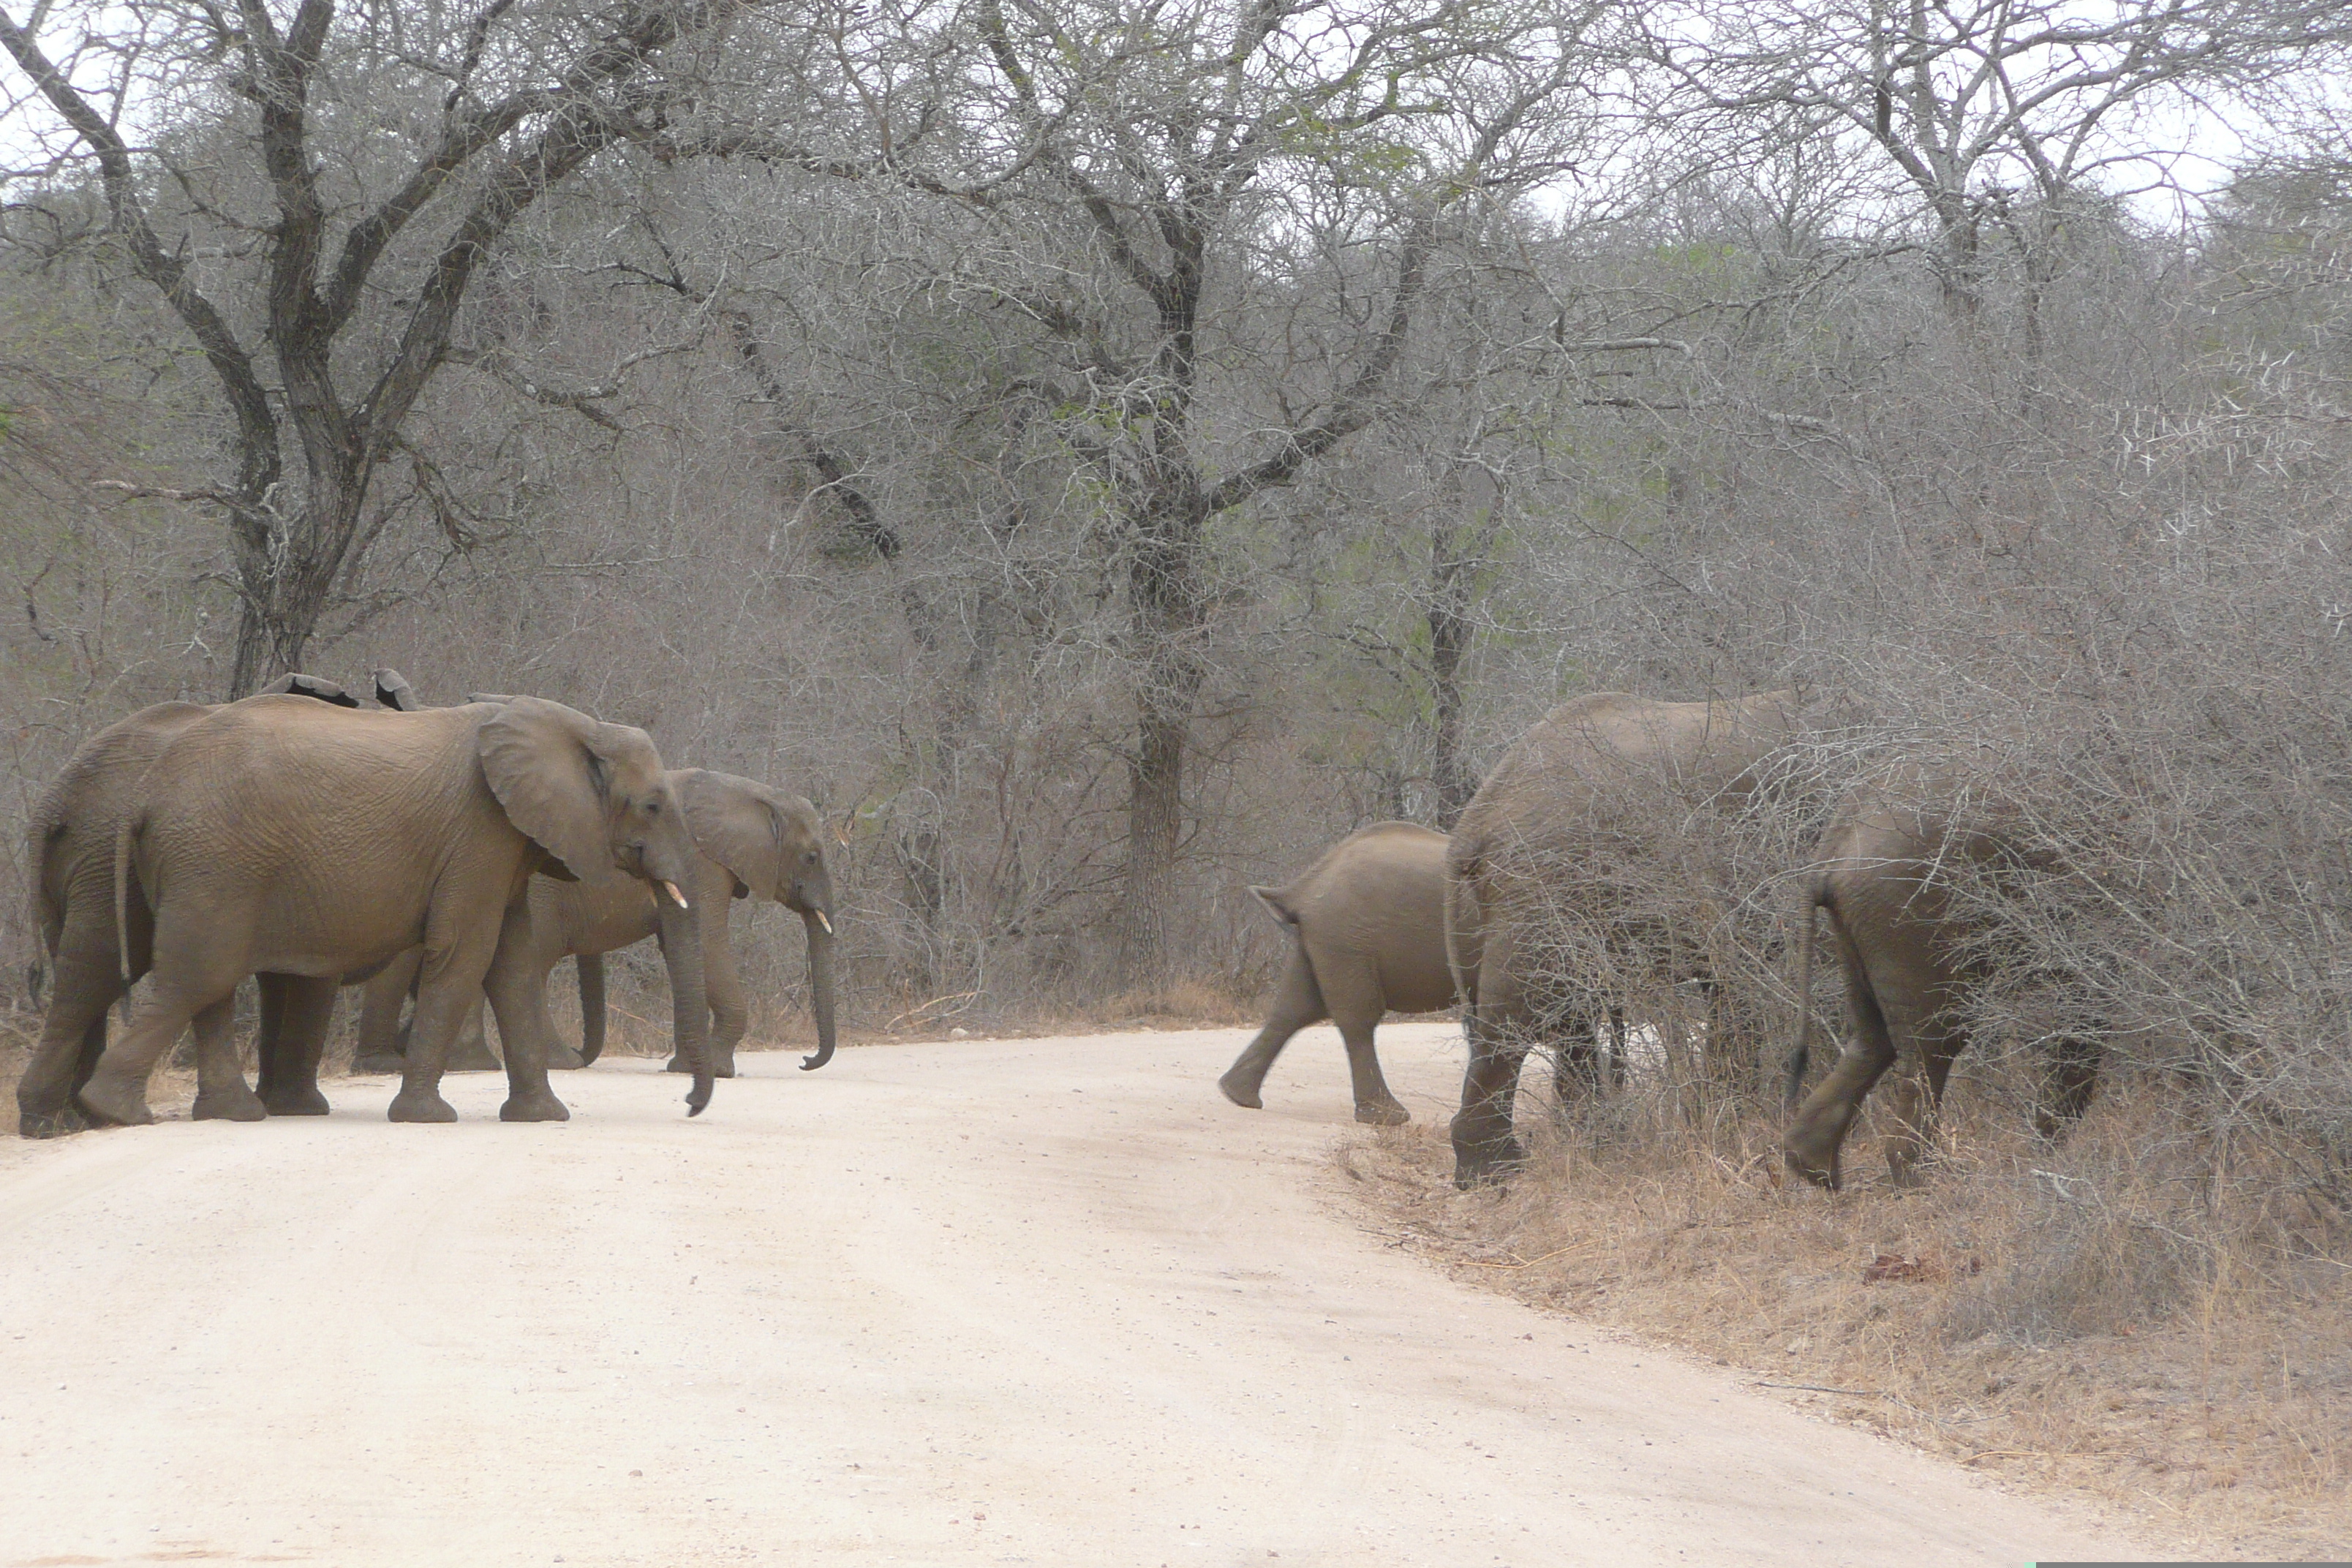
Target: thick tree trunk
{"points": [[1171, 601]]}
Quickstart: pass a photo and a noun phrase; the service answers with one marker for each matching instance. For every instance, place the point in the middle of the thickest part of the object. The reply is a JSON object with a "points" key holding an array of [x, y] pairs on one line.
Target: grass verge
{"points": [[2098, 1317]]}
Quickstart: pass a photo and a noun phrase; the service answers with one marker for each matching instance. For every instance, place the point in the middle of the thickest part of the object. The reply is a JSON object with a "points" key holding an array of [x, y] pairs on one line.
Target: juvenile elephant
{"points": [[1565, 842], [70, 855], [1367, 938], [1884, 873], [276, 836]]}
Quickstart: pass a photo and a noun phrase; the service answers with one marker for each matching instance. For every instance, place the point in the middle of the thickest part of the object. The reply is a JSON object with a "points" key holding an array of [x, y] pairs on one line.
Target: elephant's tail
{"points": [[123, 836], [1792, 1087], [1466, 929]]}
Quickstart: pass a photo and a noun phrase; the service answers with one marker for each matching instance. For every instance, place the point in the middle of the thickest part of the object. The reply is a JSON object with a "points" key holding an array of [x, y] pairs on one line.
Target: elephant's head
{"points": [[590, 794], [772, 844]]}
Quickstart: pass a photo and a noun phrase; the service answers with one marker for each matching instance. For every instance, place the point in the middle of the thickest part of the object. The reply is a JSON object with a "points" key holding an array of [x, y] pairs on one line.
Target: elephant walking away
{"points": [[1367, 938], [70, 854], [1569, 834], [1882, 877], [278, 835]]}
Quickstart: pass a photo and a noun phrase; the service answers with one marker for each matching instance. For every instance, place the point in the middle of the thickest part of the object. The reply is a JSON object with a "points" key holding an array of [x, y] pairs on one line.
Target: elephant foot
{"points": [[238, 1104], [475, 1057], [304, 1101], [1489, 1164], [561, 1057], [420, 1105], [1243, 1092], [49, 1121], [1381, 1113], [378, 1064], [722, 1065], [1823, 1174], [114, 1104], [538, 1105]]}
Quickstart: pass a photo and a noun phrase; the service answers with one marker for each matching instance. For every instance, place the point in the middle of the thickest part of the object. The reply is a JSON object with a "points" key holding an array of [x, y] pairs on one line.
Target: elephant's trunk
{"points": [[820, 961], [591, 1007], [689, 1001]]}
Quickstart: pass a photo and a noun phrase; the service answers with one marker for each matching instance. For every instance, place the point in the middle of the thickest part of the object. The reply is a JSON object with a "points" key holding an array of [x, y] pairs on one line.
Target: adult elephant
{"points": [[750, 841], [70, 855], [1885, 873], [1563, 869], [1367, 938], [277, 836]]}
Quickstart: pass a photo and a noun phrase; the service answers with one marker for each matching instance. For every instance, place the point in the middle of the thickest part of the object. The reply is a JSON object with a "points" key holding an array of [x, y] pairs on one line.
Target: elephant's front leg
{"points": [[730, 1014], [222, 1094], [517, 988]]}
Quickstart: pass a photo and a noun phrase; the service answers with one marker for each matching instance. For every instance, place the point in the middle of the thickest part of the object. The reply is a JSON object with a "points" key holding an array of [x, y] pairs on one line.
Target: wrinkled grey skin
{"points": [[750, 841], [277, 836], [1584, 788], [1367, 938], [70, 854], [1882, 878]]}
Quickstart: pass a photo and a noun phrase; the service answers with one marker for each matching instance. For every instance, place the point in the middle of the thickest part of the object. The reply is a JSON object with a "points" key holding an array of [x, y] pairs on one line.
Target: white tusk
{"points": [[671, 888], [824, 922]]}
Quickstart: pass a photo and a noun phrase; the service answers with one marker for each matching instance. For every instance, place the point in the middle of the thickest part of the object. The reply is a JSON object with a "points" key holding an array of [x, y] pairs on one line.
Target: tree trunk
{"points": [[1172, 609], [1454, 552]]}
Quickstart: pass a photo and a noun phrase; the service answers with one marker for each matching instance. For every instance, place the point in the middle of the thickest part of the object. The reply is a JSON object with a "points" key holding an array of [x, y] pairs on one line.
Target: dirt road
{"points": [[1047, 1301]]}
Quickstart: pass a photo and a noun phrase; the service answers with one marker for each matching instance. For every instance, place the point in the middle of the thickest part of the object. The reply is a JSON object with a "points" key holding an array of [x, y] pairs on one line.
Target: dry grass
{"points": [[2092, 1318]]}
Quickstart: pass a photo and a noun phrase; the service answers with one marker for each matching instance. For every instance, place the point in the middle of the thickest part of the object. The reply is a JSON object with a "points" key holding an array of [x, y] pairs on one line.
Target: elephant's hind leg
{"points": [[2068, 1077], [1350, 983], [296, 1011], [1484, 1147], [222, 1093], [1815, 1138], [1298, 1003], [116, 1094]]}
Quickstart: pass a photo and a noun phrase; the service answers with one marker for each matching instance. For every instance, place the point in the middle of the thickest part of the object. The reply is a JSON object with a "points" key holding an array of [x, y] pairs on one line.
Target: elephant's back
{"points": [[289, 780]]}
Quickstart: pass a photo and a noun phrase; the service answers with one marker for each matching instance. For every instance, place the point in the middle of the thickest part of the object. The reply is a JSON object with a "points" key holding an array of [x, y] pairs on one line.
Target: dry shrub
{"points": [[2106, 1315]]}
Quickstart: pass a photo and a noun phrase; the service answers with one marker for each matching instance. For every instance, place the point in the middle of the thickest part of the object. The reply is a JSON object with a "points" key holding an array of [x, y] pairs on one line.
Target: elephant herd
{"points": [[310, 842], [1551, 858]]}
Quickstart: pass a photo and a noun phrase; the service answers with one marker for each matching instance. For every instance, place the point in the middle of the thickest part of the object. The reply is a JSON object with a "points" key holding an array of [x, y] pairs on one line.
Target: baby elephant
{"points": [[1368, 938]]}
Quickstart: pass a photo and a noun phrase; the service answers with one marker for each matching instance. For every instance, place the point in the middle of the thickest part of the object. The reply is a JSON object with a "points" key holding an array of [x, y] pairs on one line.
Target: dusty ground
{"points": [[1042, 1300]]}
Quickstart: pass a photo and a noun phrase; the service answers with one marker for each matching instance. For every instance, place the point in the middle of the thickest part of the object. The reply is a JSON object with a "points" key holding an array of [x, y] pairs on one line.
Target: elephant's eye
{"points": [[652, 808]]}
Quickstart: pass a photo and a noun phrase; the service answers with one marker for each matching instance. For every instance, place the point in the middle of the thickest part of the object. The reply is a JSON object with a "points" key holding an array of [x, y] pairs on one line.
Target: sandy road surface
{"points": [[1043, 1301]]}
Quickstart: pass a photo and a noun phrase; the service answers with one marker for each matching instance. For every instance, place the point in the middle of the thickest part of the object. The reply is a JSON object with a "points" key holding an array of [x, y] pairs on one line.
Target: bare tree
{"points": [[289, 211], [1125, 160], [1995, 116]]}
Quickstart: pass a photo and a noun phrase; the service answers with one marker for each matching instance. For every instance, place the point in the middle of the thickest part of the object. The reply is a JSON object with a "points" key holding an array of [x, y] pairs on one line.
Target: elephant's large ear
{"points": [[299, 685], [733, 822], [546, 764], [392, 691]]}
